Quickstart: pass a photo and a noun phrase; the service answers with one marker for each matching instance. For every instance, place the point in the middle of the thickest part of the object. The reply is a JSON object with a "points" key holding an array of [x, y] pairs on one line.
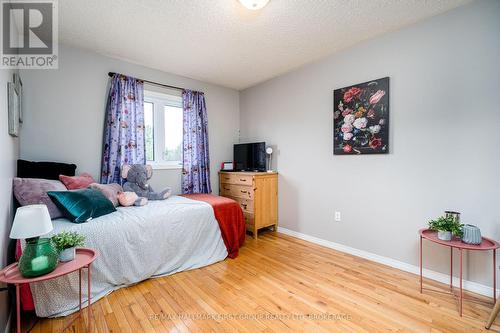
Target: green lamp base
{"points": [[39, 257]]}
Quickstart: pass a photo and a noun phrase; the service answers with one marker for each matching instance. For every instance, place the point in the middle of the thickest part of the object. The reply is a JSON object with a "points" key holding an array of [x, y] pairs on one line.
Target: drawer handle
{"points": [[243, 191], [244, 206], [242, 180], [225, 188]]}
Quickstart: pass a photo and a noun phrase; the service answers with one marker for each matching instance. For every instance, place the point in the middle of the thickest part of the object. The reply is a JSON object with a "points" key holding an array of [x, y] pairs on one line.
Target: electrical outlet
{"points": [[337, 217]]}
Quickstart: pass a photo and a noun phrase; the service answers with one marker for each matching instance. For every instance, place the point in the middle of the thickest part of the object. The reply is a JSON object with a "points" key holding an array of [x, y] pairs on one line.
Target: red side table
{"points": [[486, 245], [83, 259]]}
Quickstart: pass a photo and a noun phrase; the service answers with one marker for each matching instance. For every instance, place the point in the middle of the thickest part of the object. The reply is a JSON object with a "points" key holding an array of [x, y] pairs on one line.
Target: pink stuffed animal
{"points": [[127, 199]]}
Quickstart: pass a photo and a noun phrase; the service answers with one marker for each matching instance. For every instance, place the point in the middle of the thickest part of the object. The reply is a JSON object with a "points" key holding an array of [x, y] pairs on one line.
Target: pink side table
{"points": [[486, 245], [83, 259]]}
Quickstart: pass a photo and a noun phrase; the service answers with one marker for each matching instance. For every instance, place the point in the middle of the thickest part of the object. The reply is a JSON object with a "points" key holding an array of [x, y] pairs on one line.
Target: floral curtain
{"points": [[123, 127], [195, 162]]}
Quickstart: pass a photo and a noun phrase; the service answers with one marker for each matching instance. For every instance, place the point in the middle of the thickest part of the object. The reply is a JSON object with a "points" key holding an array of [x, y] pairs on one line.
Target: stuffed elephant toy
{"points": [[137, 176]]}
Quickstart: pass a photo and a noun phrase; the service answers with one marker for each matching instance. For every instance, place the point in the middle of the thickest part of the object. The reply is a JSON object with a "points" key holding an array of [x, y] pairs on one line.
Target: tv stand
{"points": [[257, 194]]}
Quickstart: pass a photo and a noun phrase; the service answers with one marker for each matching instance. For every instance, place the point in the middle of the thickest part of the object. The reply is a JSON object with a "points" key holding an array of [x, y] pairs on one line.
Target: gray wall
{"points": [[445, 135], [66, 108], [9, 152]]}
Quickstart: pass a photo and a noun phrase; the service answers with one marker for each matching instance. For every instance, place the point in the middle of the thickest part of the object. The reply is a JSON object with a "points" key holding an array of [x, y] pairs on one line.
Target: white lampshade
{"points": [[31, 221], [254, 4]]}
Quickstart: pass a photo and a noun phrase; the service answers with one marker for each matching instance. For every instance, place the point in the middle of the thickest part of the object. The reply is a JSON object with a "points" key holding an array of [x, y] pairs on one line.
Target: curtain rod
{"points": [[151, 82]]}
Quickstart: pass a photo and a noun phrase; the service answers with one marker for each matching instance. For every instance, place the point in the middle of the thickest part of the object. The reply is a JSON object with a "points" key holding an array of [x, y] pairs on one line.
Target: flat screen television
{"points": [[250, 156]]}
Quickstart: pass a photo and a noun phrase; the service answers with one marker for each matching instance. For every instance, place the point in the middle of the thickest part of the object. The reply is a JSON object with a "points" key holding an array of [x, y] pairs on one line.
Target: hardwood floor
{"points": [[275, 280]]}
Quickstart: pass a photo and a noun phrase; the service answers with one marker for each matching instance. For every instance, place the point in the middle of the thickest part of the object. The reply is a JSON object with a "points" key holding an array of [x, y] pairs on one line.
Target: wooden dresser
{"points": [[257, 193]]}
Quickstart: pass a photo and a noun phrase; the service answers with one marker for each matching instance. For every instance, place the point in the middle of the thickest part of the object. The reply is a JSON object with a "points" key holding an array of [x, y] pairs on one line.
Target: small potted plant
{"points": [[446, 226], [66, 243]]}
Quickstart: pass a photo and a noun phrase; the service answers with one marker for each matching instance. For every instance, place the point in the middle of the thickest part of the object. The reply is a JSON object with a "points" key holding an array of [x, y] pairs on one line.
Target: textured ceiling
{"points": [[221, 42]]}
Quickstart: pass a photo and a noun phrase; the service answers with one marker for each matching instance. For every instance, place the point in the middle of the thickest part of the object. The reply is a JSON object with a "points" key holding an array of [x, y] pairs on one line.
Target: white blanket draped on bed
{"points": [[135, 243]]}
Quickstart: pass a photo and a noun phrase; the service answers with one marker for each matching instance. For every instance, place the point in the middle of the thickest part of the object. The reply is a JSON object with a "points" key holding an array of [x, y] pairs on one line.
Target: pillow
{"points": [[82, 205], [110, 191], [32, 191], [45, 170], [77, 182]]}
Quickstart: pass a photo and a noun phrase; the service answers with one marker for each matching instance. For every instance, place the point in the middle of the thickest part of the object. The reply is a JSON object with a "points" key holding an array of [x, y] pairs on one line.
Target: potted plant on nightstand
{"points": [[446, 226], [66, 243]]}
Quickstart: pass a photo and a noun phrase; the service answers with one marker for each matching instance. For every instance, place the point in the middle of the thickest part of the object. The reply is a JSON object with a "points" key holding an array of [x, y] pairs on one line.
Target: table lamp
{"points": [[269, 152], [39, 256]]}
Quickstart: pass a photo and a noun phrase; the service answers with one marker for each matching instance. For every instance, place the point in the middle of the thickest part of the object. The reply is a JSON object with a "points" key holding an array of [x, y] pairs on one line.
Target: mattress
{"points": [[135, 243]]}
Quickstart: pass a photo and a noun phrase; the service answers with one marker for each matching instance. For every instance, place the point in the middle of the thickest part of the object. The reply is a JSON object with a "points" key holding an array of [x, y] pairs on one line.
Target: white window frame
{"points": [[159, 100]]}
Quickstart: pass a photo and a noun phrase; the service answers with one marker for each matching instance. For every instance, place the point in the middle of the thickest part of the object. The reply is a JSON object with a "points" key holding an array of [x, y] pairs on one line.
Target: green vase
{"points": [[39, 257]]}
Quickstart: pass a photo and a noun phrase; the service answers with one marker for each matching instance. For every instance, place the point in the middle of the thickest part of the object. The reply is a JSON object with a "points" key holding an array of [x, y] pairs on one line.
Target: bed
{"points": [[137, 243]]}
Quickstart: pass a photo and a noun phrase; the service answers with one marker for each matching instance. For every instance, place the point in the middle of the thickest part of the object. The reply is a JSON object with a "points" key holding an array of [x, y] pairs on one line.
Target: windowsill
{"points": [[165, 166]]}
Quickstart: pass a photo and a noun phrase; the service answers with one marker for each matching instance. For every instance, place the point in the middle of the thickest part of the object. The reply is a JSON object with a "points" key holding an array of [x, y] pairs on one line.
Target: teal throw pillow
{"points": [[82, 205]]}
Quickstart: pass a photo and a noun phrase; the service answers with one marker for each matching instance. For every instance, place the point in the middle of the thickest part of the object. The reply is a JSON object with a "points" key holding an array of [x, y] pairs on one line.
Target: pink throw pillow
{"points": [[110, 191], [76, 182], [32, 191]]}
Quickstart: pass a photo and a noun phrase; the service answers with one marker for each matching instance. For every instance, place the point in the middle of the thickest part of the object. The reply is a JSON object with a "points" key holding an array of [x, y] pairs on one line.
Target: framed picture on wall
{"points": [[19, 90], [361, 118], [13, 109]]}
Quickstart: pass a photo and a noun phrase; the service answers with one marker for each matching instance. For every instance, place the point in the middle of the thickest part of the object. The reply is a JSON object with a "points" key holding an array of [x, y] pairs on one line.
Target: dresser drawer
{"points": [[249, 220], [246, 204], [235, 179], [237, 191]]}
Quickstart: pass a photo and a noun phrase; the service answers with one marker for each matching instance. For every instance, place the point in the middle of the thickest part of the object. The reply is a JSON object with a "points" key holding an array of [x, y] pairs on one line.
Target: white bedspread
{"points": [[135, 243]]}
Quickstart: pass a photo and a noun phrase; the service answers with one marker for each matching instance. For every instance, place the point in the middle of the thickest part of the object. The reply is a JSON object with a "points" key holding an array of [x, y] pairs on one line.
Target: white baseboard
{"points": [[429, 274]]}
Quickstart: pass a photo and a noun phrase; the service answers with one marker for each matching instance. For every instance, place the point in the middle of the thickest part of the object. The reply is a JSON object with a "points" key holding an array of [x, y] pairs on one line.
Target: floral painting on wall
{"points": [[361, 118]]}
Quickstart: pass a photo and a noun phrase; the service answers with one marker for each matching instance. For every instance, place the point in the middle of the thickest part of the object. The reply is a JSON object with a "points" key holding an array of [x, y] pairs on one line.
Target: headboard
{"points": [[45, 170]]}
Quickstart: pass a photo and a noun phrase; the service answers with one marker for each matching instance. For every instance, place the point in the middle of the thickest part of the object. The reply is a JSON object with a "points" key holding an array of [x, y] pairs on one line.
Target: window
{"points": [[163, 122]]}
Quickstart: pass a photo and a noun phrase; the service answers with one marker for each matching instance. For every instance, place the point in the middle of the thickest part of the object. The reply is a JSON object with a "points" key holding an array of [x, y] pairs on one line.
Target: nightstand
{"points": [[83, 259]]}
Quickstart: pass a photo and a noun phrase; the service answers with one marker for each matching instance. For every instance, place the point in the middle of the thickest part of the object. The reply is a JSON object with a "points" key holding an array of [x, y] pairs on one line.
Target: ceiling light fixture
{"points": [[254, 4]]}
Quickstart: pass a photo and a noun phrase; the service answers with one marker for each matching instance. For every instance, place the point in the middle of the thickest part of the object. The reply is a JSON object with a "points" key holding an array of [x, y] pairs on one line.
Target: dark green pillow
{"points": [[82, 205]]}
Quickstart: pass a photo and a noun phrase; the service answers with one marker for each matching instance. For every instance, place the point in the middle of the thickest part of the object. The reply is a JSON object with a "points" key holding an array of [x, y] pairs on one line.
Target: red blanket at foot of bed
{"points": [[230, 217]]}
